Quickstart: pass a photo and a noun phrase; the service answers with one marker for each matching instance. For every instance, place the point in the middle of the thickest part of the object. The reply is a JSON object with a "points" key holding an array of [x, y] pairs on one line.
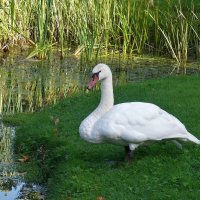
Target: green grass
{"points": [[74, 169]]}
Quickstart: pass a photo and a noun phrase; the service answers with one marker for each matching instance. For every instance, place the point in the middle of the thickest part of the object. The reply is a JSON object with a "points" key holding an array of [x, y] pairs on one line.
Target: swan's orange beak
{"points": [[93, 81]]}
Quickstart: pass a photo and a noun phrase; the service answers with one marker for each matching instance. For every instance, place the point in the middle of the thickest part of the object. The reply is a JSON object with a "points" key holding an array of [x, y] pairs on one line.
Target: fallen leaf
{"points": [[24, 158], [100, 198]]}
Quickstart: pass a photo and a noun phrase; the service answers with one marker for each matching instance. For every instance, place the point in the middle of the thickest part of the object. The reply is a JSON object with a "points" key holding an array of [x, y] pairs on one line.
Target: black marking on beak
{"points": [[95, 74]]}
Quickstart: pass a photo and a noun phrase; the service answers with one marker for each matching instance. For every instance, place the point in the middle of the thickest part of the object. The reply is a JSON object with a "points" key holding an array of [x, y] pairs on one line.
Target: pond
{"points": [[29, 85]]}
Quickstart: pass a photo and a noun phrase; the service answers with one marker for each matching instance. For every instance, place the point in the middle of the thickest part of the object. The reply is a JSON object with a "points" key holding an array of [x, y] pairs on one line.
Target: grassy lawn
{"points": [[74, 169]]}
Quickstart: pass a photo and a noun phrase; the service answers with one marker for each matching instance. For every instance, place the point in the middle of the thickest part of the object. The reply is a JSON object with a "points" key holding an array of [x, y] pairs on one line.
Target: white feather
{"points": [[129, 123]]}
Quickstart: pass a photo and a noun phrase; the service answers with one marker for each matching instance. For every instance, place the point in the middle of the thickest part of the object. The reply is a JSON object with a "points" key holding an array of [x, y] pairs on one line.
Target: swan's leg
{"points": [[129, 151], [129, 154]]}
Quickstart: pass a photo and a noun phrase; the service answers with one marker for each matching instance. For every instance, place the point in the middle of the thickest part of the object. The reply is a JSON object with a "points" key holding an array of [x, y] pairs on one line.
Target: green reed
{"points": [[96, 27], [178, 30]]}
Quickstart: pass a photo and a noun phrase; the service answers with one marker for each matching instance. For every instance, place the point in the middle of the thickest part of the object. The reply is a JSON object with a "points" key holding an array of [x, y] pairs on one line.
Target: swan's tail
{"points": [[192, 138]]}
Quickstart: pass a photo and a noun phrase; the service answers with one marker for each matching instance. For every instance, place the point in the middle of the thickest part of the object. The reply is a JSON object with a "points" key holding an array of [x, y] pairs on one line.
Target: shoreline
{"points": [[69, 166]]}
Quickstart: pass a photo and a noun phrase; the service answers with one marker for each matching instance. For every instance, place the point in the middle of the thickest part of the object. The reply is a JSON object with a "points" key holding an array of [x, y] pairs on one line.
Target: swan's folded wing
{"points": [[138, 122]]}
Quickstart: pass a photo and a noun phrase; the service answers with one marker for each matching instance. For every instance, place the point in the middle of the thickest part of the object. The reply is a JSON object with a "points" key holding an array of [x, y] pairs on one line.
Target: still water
{"points": [[29, 85], [10, 181], [12, 185]]}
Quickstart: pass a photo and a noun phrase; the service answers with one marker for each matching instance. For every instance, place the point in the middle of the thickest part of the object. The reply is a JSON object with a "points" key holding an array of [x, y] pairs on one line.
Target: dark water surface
{"points": [[29, 85]]}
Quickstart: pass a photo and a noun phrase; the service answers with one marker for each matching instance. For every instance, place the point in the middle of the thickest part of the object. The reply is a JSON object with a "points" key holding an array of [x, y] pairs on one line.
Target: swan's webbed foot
{"points": [[129, 154]]}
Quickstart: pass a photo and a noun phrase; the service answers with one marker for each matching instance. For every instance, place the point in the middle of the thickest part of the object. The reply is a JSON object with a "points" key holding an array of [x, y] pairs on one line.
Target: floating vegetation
{"points": [[91, 28]]}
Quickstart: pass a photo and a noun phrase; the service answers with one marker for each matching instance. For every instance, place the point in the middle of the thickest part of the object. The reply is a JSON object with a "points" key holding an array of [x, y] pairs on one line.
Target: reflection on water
{"points": [[12, 185], [10, 181], [27, 85], [11, 194]]}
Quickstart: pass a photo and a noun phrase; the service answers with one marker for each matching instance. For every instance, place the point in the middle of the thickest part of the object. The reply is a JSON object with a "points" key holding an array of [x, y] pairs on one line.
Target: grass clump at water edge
{"points": [[74, 169]]}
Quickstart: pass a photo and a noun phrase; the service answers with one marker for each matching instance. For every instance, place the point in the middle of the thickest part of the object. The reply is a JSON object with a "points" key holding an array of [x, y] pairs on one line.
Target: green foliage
{"points": [[43, 144], [178, 29], [74, 169], [96, 27]]}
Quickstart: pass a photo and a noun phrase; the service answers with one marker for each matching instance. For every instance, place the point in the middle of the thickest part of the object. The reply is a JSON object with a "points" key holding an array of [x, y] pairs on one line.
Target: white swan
{"points": [[128, 124]]}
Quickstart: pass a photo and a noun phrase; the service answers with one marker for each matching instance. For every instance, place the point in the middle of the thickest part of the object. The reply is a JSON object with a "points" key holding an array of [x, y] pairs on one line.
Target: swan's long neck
{"points": [[107, 97], [106, 103]]}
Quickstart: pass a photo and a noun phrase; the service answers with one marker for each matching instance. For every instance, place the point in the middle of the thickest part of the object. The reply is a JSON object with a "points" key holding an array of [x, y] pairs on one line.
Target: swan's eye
{"points": [[95, 74]]}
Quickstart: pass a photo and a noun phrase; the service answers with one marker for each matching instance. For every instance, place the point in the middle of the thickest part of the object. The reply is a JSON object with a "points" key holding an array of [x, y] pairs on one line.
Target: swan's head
{"points": [[99, 73]]}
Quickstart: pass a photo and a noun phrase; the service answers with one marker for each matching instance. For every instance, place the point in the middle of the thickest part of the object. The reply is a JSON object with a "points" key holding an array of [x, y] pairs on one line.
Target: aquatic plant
{"points": [[91, 28], [178, 31]]}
